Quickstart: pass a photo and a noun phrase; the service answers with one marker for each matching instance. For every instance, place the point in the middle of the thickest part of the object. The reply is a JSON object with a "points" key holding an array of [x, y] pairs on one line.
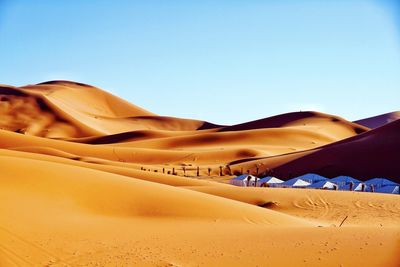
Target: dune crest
{"points": [[379, 120]]}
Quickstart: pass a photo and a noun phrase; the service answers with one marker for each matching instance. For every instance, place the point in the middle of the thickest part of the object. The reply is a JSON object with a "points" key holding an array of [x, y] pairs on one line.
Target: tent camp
{"points": [[312, 178], [379, 182], [295, 182], [324, 185], [244, 180], [388, 189], [270, 180], [343, 182]]}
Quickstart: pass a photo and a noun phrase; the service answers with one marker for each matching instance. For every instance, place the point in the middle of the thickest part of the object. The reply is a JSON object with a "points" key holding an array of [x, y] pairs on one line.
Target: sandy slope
{"points": [[78, 186], [79, 216], [82, 109], [380, 120], [368, 155]]}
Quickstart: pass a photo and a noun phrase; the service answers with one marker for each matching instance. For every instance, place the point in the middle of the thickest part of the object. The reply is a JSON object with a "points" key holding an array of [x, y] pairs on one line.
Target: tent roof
{"points": [[346, 179], [388, 189], [296, 182], [270, 179], [301, 182], [321, 184], [243, 177], [312, 177], [380, 181], [347, 186]]}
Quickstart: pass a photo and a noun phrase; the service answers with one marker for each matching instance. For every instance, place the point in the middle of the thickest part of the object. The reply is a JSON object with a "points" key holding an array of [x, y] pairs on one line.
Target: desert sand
{"points": [[379, 120], [88, 179]]}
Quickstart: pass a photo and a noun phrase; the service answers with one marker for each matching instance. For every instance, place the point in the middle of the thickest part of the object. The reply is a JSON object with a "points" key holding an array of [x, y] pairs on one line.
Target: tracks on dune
{"points": [[319, 207], [22, 252], [378, 206]]}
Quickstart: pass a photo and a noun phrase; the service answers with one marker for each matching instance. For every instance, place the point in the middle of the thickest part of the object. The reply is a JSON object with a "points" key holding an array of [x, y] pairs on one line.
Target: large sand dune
{"points": [[380, 120], [88, 179], [67, 109], [371, 154]]}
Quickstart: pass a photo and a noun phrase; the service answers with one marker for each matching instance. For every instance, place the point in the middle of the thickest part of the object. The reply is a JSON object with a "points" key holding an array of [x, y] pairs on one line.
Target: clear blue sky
{"points": [[222, 61]]}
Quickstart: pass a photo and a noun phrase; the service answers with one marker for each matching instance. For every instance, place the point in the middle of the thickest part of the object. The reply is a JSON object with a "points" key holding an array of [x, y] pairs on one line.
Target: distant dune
{"points": [[380, 120], [307, 118], [368, 155], [89, 179], [61, 109]]}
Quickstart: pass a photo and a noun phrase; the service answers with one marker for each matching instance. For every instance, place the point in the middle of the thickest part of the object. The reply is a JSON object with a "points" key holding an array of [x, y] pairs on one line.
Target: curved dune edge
{"points": [[100, 112], [76, 189]]}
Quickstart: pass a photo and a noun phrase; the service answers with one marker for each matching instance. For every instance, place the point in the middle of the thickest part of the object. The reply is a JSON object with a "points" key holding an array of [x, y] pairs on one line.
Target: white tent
{"points": [[359, 187], [244, 180], [324, 185], [312, 178], [295, 182], [270, 180], [301, 183]]}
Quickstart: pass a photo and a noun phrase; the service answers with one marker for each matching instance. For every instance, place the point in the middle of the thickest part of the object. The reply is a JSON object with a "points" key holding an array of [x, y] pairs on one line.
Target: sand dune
{"points": [[368, 155], [175, 141], [307, 118], [46, 109], [380, 120], [89, 179]]}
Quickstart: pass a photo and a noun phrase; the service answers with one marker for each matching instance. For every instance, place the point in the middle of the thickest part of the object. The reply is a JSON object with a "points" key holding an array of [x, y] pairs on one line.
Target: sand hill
{"points": [[88, 179], [368, 155], [380, 120]]}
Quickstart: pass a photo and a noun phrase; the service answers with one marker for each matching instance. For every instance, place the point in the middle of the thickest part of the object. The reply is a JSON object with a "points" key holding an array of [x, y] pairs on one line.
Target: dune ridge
{"points": [[379, 120]]}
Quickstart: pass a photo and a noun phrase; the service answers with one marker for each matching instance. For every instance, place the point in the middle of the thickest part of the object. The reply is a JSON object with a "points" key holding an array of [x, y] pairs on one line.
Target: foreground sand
{"points": [[73, 191], [64, 215]]}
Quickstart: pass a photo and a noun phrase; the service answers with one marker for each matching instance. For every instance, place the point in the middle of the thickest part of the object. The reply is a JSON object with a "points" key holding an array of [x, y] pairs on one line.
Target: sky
{"points": [[222, 61]]}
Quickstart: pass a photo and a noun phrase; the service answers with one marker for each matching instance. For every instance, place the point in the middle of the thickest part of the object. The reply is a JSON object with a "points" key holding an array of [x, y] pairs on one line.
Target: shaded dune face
{"points": [[30, 115], [380, 120]]}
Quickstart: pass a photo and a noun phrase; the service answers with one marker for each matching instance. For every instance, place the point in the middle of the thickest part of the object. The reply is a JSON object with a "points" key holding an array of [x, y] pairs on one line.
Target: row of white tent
{"points": [[312, 180]]}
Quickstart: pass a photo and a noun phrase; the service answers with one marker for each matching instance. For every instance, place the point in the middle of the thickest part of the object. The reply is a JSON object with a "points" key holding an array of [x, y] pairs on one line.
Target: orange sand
{"points": [[79, 187]]}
